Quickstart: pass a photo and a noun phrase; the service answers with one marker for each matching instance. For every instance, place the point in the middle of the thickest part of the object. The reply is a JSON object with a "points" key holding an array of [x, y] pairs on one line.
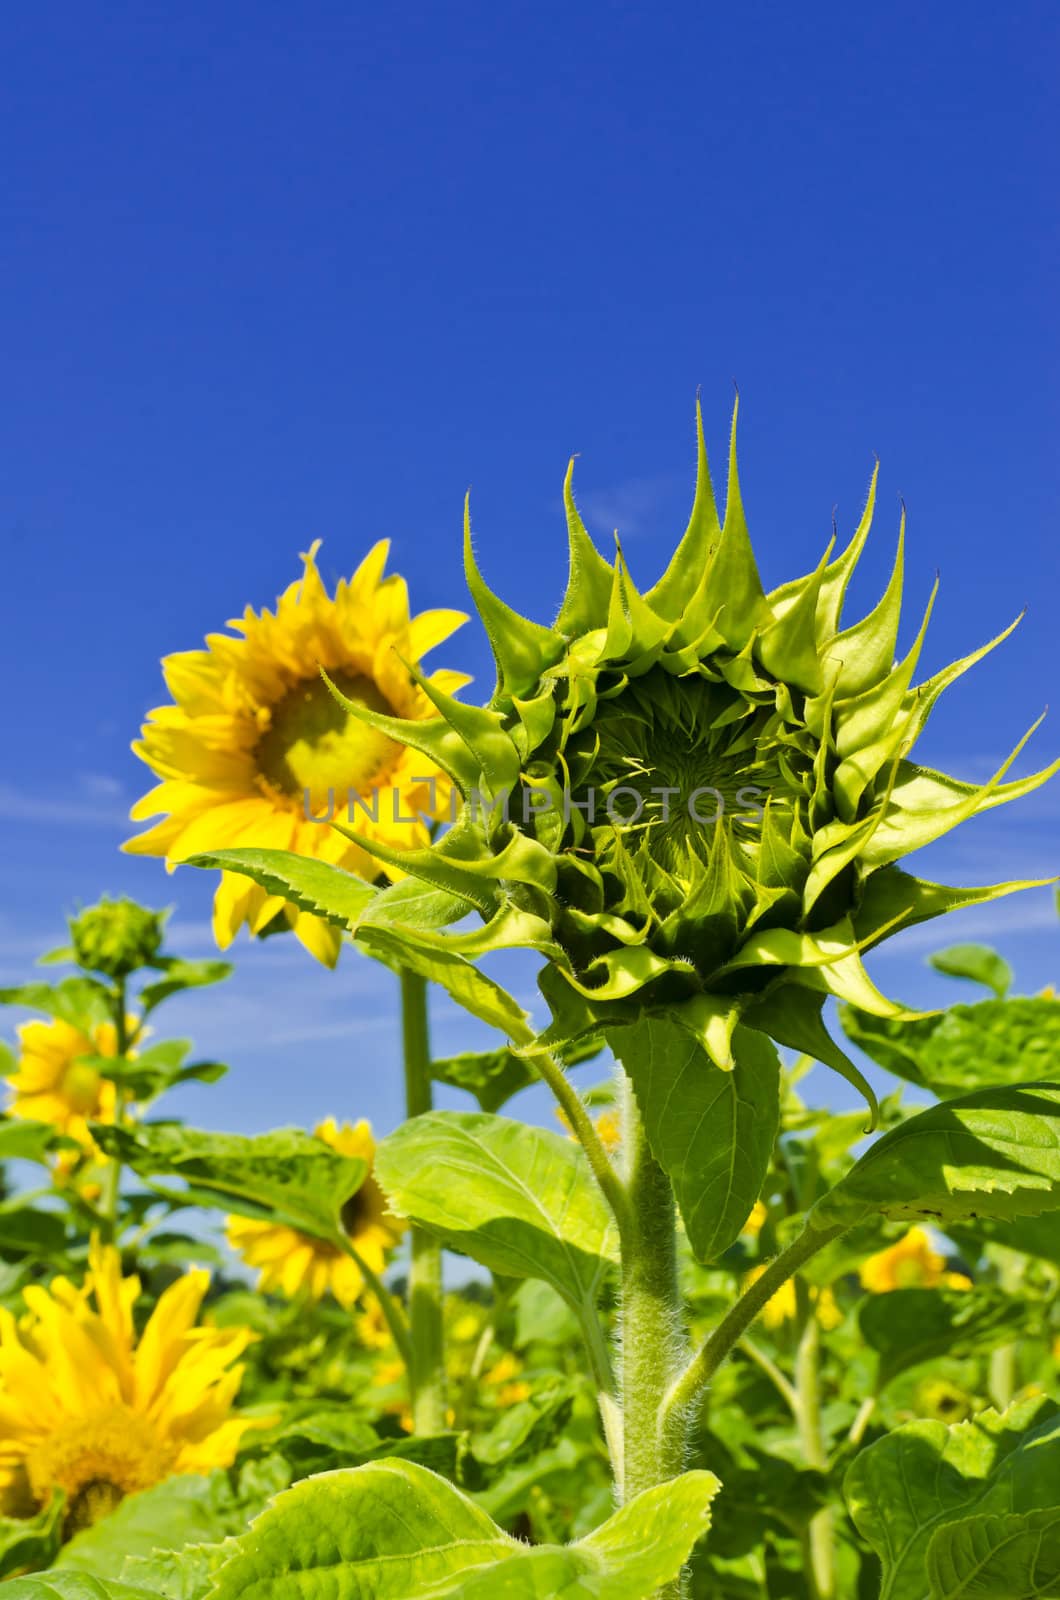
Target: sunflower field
{"points": [[696, 1338]]}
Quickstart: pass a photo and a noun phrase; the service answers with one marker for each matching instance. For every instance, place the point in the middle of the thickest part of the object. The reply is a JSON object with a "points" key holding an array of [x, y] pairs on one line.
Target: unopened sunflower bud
{"points": [[730, 782], [117, 937]]}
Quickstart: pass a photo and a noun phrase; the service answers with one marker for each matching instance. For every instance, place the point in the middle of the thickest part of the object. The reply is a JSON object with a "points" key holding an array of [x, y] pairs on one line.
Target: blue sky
{"points": [[272, 274]]}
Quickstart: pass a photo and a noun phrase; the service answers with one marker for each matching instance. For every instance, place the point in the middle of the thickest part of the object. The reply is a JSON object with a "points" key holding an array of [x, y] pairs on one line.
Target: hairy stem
{"points": [[651, 1336], [820, 1535], [699, 1371], [581, 1125], [427, 1364]]}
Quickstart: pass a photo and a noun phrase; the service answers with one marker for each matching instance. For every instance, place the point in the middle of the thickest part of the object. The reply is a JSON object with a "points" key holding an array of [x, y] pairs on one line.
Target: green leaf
{"points": [[908, 1326], [712, 1132], [25, 1231], [184, 1574], [977, 962], [1013, 1557], [966, 1047], [28, 1543], [151, 1072], [80, 1001], [55, 1585], [520, 1200], [522, 1430], [991, 1154], [312, 885], [393, 1531], [180, 975], [317, 1438], [541, 1315], [177, 1512], [1033, 1236], [285, 1176], [492, 1076], [907, 1488], [402, 947], [28, 1141]]}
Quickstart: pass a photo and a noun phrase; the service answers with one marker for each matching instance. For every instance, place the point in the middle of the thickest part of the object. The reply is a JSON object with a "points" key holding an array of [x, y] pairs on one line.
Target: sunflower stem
{"points": [[699, 1371], [819, 1538], [427, 1357], [581, 1125], [651, 1333], [112, 1177]]}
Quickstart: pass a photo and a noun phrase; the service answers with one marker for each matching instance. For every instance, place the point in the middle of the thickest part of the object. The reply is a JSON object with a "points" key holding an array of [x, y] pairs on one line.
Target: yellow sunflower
{"points": [[56, 1084], [608, 1125], [911, 1263], [782, 1306], [293, 1263], [88, 1408], [255, 746]]}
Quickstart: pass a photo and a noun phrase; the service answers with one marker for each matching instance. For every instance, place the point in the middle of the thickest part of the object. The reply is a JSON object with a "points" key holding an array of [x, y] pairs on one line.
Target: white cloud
{"points": [[53, 805], [632, 507], [1025, 912]]}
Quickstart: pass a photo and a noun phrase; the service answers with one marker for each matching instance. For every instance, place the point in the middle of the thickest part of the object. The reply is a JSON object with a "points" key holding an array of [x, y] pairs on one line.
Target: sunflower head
{"points": [[117, 937], [56, 1080], [97, 1411], [694, 799], [911, 1263], [293, 1263], [255, 751]]}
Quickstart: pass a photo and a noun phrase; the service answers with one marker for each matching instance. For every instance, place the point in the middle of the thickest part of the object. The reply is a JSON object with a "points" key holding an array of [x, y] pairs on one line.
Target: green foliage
{"points": [[465, 984], [179, 1512], [991, 1154], [996, 1042], [910, 1326], [285, 1176], [971, 1510], [28, 1141], [27, 1543], [180, 975], [149, 1073], [74, 1586], [184, 1574], [520, 1200], [305, 882], [711, 1131], [395, 1530], [494, 1076], [977, 962], [80, 1001]]}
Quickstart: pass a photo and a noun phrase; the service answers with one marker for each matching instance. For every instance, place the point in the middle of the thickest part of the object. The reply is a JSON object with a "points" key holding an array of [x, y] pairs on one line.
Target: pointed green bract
{"points": [[693, 800]]}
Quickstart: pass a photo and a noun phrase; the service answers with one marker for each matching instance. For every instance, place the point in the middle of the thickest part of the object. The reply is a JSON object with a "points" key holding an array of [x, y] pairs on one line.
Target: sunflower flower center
{"points": [[96, 1461], [676, 759], [357, 1211], [80, 1088], [314, 744]]}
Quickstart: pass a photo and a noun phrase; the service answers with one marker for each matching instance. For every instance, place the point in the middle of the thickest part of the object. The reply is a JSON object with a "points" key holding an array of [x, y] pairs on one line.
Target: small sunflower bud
{"points": [[116, 937]]}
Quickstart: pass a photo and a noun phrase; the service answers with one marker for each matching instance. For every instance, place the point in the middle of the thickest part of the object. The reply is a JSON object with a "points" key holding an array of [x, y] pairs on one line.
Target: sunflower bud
{"points": [[117, 937], [694, 800]]}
